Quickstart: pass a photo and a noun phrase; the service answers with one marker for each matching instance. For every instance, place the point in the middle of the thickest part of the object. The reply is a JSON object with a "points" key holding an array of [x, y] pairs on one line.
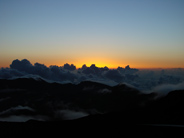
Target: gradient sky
{"points": [[141, 33]]}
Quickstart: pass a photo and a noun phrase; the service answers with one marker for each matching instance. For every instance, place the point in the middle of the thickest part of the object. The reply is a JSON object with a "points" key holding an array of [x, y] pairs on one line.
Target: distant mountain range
{"points": [[40, 100], [29, 100]]}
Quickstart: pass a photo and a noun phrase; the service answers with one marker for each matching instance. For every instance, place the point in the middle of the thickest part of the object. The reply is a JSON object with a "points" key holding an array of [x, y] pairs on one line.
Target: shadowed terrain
{"points": [[36, 105]]}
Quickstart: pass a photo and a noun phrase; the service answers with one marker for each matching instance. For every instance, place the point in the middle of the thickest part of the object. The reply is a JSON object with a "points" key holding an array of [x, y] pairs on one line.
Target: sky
{"points": [[139, 33]]}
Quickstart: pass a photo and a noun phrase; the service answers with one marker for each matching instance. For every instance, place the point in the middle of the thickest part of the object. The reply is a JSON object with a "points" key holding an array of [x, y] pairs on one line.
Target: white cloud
{"points": [[22, 118], [15, 118], [16, 108], [140, 79], [70, 114], [104, 91], [164, 89]]}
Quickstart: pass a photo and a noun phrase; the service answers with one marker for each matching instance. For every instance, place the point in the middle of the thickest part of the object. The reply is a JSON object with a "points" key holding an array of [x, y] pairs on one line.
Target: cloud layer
{"points": [[140, 79]]}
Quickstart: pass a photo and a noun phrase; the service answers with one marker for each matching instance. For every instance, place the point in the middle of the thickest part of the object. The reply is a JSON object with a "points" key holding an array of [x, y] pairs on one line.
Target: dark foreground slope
{"points": [[90, 128], [45, 101], [109, 111]]}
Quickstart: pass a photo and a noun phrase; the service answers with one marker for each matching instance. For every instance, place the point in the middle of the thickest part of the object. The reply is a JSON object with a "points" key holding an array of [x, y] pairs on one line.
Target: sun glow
{"points": [[99, 62], [111, 63]]}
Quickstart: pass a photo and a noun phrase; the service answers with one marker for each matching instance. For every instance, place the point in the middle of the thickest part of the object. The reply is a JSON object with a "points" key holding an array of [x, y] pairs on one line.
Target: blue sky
{"points": [[142, 33]]}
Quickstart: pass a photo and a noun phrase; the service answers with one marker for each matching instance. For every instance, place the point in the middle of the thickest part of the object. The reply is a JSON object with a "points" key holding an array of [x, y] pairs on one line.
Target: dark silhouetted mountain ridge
{"points": [[43, 106]]}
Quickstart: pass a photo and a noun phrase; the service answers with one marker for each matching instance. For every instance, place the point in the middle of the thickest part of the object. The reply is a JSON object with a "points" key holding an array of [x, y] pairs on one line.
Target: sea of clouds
{"points": [[161, 80]]}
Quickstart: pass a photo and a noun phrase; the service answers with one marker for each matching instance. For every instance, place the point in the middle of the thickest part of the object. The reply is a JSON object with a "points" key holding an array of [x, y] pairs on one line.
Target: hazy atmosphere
{"points": [[140, 33], [91, 68], [143, 80]]}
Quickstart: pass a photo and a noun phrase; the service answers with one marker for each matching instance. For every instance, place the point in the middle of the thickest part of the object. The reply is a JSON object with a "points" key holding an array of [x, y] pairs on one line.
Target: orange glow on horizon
{"points": [[99, 62], [113, 63]]}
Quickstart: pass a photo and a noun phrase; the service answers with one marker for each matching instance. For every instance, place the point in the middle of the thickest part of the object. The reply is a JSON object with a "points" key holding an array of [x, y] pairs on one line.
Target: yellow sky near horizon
{"points": [[112, 33], [100, 63]]}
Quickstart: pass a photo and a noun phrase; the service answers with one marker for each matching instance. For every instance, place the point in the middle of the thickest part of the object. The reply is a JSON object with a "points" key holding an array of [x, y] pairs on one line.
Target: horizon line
{"points": [[99, 65], [140, 68]]}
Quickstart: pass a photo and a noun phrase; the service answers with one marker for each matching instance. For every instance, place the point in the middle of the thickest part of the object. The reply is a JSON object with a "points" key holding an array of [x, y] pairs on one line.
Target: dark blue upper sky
{"points": [[143, 33]]}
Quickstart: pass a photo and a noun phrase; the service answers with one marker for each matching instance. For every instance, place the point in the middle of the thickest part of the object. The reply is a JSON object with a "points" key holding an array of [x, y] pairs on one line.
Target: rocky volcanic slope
{"points": [[31, 97], [45, 101], [110, 111]]}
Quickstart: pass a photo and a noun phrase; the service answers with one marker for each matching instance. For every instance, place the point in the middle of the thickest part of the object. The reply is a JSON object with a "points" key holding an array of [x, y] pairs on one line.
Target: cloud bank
{"points": [[140, 79], [164, 89]]}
